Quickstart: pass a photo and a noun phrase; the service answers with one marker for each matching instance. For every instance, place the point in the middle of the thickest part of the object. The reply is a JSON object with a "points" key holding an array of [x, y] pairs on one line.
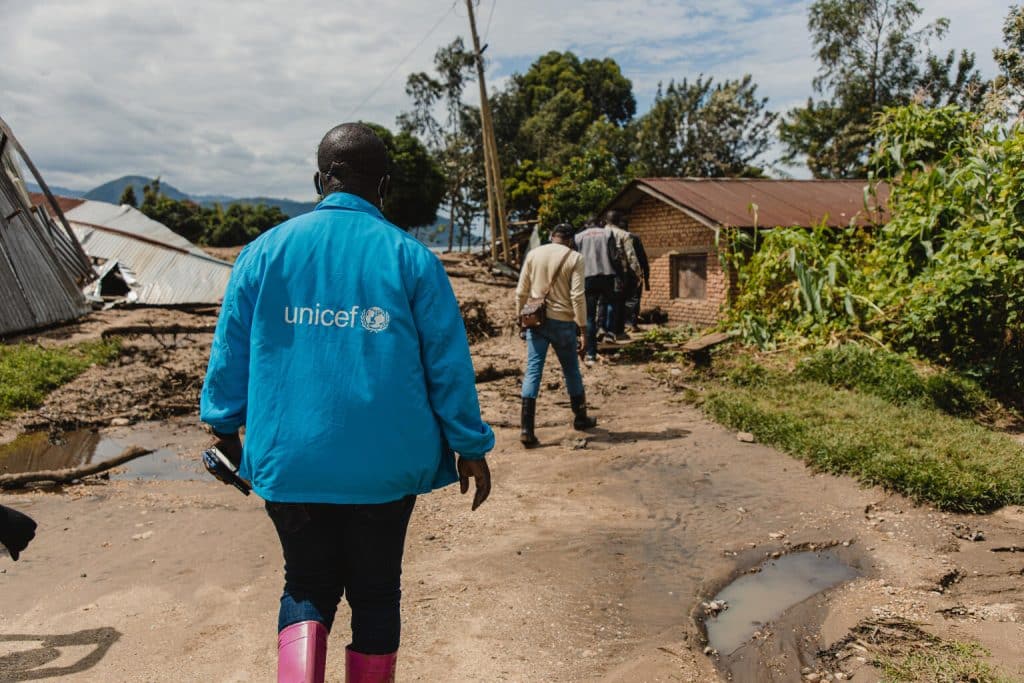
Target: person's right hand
{"points": [[481, 476], [231, 446], [16, 530]]}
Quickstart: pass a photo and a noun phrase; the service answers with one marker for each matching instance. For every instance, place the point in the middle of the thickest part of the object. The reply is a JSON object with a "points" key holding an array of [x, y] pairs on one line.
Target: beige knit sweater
{"points": [[566, 299]]}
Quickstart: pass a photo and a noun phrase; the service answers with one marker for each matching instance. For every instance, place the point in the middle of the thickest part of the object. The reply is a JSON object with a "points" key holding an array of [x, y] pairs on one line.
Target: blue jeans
{"points": [[599, 289], [561, 335], [355, 550]]}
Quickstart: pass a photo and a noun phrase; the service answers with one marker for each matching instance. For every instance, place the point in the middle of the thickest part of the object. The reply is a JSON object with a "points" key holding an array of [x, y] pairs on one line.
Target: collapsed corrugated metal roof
{"points": [[165, 275], [129, 220], [168, 269], [42, 266], [746, 203]]}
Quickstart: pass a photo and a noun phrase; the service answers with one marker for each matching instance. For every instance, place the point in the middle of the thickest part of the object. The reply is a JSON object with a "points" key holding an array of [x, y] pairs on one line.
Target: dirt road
{"points": [[588, 563]]}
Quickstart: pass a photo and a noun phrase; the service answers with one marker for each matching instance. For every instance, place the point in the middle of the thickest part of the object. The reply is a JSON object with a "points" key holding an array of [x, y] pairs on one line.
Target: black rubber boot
{"points": [[579, 409], [529, 415]]}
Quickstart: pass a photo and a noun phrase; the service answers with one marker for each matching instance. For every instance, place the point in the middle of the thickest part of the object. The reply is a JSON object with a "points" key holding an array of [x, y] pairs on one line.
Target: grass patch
{"points": [[906, 653], [892, 377], [917, 450], [28, 373], [946, 662]]}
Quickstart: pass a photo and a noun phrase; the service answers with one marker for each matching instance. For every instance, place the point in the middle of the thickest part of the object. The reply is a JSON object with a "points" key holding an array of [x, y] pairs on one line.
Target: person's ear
{"points": [[383, 188], [317, 184]]}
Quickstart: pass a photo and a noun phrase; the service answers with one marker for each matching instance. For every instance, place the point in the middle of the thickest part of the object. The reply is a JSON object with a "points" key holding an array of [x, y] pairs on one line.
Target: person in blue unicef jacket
{"points": [[341, 349]]}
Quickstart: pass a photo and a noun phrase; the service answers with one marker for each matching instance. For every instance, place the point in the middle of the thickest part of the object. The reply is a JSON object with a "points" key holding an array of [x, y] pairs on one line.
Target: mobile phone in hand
{"points": [[219, 466]]}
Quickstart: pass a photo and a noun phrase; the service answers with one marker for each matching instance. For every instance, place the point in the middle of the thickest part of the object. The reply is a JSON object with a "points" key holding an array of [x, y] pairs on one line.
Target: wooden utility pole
{"points": [[495, 193]]}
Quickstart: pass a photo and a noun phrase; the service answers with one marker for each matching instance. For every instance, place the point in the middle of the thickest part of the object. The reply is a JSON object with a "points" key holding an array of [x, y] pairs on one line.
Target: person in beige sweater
{"points": [[554, 270]]}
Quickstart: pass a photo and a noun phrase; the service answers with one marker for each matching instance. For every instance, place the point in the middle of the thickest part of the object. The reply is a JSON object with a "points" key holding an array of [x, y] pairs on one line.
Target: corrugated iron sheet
{"points": [[166, 275], [41, 266], [744, 203], [130, 220]]}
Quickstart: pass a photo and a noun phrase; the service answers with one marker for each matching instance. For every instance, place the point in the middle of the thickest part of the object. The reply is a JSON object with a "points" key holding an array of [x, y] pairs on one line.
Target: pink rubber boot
{"points": [[360, 668], [302, 653]]}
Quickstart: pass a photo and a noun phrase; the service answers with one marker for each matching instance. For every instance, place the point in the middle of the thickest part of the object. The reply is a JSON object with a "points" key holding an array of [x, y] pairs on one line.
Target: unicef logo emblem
{"points": [[375, 319]]}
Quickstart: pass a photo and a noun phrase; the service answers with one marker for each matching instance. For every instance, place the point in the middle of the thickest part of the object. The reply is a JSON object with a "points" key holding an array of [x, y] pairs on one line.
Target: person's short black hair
{"points": [[615, 217], [563, 230], [352, 150]]}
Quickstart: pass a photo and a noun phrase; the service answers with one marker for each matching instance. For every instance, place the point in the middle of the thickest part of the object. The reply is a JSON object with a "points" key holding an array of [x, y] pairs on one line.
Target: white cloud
{"points": [[224, 97]]}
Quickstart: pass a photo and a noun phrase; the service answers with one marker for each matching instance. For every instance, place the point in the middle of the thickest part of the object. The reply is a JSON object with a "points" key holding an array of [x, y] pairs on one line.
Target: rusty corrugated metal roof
{"points": [[65, 203], [42, 265], [743, 202]]}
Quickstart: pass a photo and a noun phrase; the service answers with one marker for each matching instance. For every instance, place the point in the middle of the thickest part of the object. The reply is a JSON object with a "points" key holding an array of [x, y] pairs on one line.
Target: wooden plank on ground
{"points": [[707, 341]]}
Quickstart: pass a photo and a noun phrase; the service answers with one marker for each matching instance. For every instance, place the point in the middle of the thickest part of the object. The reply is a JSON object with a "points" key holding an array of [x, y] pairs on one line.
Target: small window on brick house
{"points": [[689, 276]]}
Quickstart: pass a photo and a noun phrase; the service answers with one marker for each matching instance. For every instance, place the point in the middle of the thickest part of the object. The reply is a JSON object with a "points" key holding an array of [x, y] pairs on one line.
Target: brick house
{"points": [[678, 219]]}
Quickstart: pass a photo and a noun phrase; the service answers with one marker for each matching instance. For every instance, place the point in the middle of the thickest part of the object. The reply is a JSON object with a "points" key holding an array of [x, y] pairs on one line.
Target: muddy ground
{"points": [[589, 562]]}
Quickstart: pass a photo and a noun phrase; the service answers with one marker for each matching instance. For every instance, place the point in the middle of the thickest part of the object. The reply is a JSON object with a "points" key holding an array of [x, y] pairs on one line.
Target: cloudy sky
{"points": [[231, 98]]}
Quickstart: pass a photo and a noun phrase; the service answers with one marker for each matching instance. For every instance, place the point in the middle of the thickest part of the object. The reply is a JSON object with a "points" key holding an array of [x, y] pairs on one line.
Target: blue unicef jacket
{"points": [[341, 348]]}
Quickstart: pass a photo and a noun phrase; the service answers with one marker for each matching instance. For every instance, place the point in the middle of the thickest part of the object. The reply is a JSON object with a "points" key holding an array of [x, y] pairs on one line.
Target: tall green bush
{"points": [[943, 279], [952, 257]]}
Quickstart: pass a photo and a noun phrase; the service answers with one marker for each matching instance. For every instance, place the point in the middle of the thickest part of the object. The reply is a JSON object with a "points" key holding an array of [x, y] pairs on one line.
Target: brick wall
{"points": [[666, 231]]}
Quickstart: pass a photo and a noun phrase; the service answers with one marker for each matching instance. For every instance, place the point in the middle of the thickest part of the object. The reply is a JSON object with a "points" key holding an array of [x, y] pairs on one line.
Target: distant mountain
{"points": [[111, 192], [57, 190]]}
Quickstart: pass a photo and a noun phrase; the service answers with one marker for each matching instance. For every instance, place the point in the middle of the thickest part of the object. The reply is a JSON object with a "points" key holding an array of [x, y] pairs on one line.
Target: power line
{"points": [[490, 15], [401, 62]]}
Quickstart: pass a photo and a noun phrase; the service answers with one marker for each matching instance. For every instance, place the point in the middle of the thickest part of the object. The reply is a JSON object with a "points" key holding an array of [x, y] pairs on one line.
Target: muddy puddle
{"points": [[754, 600], [775, 600], [174, 456]]}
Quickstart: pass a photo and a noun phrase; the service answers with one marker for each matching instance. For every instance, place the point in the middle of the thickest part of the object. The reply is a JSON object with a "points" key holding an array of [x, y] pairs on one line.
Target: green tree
{"points": [[239, 223], [216, 226], [417, 184], [950, 263], [705, 130], [871, 56], [451, 141], [183, 217], [128, 197], [1008, 86], [586, 185], [544, 117]]}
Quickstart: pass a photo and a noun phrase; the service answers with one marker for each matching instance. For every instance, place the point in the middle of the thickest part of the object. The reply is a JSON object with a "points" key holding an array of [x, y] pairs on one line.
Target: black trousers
{"points": [[599, 291], [350, 550], [634, 290]]}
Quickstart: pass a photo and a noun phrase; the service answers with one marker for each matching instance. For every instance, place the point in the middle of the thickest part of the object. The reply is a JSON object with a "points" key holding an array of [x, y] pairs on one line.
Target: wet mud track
{"points": [[590, 562], [679, 508]]}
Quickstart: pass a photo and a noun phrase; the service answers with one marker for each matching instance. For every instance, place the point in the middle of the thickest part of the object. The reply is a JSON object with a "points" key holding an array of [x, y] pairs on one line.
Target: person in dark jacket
{"points": [[600, 256], [627, 267], [634, 287]]}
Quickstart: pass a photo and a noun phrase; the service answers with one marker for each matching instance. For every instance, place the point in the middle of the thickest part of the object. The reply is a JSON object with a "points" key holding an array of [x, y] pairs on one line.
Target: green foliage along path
{"points": [[943, 279], [871, 416], [28, 372]]}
